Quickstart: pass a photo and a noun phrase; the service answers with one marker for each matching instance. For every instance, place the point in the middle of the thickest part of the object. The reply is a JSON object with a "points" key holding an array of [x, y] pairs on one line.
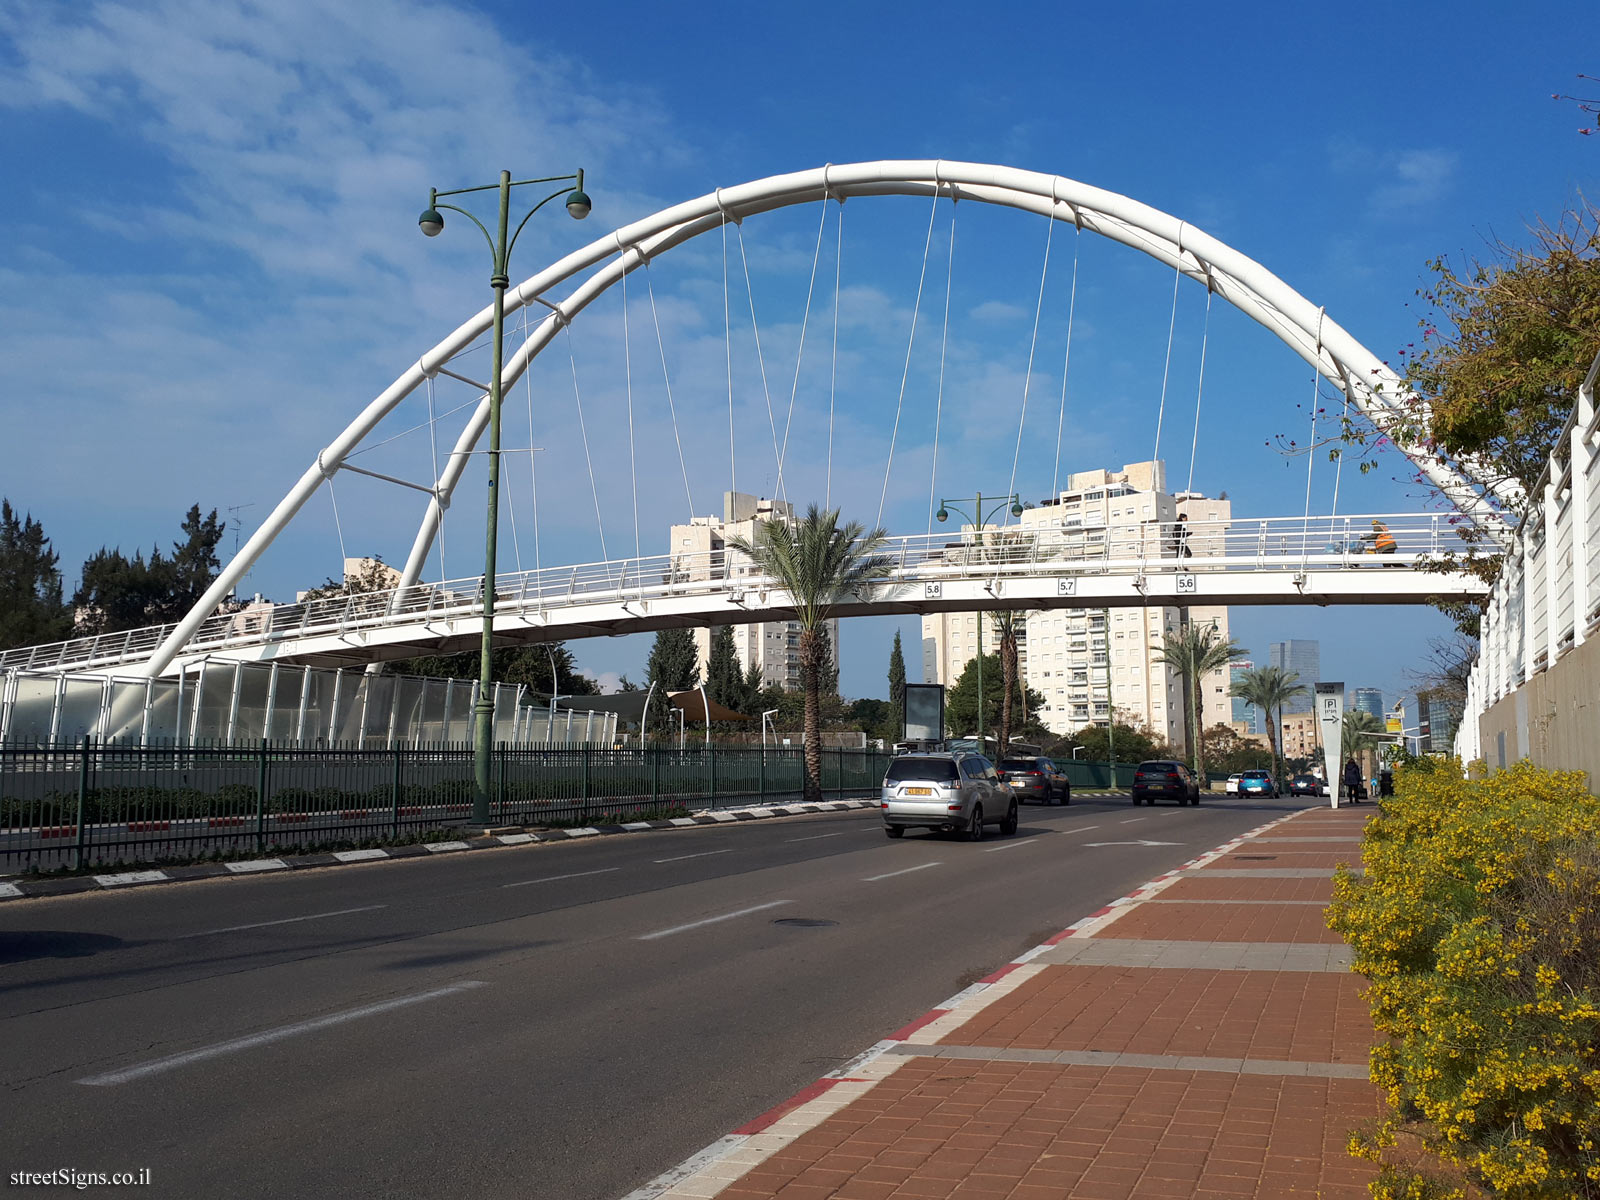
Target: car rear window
{"points": [[1257, 775], [1018, 764], [935, 769], [1158, 768]]}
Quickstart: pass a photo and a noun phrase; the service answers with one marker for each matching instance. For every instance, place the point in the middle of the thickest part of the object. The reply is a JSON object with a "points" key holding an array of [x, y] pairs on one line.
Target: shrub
{"points": [[1478, 924]]}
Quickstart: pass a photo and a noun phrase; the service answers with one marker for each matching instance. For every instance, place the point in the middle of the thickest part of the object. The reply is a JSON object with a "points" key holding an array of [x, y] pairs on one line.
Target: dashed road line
{"points": [[684, 857], [743, 912], [892, 874], [338, 912], [558, 878]]}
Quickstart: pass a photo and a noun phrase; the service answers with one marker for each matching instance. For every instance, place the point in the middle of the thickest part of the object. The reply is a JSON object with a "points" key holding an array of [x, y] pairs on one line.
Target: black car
{"points": [[1035, 778], [1307, 785], [1165, 778]]}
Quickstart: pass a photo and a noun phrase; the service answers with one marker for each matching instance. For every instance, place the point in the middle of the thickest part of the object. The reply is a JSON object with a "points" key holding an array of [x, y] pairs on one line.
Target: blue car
{"points": [[1258, 783]]}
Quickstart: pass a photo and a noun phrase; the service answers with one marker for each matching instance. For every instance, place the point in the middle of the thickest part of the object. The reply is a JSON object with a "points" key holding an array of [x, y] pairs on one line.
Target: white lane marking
{"points": [[339, 912], [1010, 845], [682, 857], [1079, 829], [157, 1066], [1130, 820], [557, 878], [661, 933], [814, 837], [892, 874]]}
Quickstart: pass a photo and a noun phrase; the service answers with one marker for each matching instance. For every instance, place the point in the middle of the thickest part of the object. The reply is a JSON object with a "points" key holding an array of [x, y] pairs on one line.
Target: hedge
{"points": [[1478, 925]]}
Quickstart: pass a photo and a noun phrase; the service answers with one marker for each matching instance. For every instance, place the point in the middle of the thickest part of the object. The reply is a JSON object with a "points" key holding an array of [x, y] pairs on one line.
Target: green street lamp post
{"points": [[979, 518], [432, 224]]}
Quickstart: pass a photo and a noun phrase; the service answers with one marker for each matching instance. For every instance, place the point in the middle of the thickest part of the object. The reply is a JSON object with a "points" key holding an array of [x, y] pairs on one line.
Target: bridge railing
{"points": [[1546, 601], [1250, 545]]}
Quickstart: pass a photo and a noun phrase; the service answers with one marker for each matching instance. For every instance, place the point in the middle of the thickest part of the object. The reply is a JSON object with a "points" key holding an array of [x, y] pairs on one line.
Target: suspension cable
{"points": [[511, 502], [1066, 363], [761, 359], [1033, 344], [1199, 391], [833, 374], [727, 335], [1338, 462], [533, 457], [633, 463], [1177, 274], [583, 428], [911, 341], [666, 380], [800, 351], [337, 524], [944, 340], [1311, 449]]}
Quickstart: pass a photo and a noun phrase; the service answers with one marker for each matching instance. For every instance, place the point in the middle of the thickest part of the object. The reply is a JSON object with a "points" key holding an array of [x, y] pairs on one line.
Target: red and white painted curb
{"points": [[707, 1173]]}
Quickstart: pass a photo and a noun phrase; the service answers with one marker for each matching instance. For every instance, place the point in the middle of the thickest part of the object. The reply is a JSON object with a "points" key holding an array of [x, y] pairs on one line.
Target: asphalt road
{"points": [[556, 1021]]}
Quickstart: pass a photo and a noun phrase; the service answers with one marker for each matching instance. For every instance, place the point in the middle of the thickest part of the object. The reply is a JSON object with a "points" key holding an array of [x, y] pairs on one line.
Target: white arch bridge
{"points": [[1288, 560]]}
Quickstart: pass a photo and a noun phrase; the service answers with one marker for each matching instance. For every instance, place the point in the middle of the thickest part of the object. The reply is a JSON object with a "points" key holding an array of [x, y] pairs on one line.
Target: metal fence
{"points": [[1546, 600], [92, 803]]}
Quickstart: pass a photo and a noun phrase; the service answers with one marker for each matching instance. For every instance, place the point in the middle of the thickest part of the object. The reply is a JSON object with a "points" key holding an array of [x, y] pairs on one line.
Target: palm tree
{"points": [[1008, 621], [1269, 689], [818, 563], [1360, 732], [1194, 652]]}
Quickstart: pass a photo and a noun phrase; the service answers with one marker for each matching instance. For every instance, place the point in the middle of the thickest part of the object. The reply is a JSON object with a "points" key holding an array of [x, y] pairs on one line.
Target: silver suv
{"points": [[958, 792]]}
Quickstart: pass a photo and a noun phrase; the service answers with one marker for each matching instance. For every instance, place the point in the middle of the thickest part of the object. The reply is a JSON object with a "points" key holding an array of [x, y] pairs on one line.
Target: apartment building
{"points": [[699, 551], [1087, 663]]}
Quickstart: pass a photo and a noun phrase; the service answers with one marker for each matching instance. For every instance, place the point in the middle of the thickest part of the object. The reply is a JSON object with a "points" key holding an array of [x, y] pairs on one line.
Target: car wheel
{"points": [[1150, 801], [975, 826], [1136, 799], [1008, 827], [1066, 794], [895, 830]]}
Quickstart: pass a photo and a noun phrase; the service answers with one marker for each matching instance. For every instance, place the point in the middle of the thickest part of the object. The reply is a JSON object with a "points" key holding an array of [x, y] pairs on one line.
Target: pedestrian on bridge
{"points": [[1380, 537], [1180, 537]]}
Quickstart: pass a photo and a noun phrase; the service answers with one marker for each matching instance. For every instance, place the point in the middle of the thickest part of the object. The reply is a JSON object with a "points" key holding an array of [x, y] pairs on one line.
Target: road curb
{"points": [[759, 1139], [24, 887]]}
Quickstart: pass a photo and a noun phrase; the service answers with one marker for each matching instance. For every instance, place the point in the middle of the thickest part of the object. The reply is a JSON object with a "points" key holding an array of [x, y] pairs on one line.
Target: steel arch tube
{"points": [[1339, 357]]}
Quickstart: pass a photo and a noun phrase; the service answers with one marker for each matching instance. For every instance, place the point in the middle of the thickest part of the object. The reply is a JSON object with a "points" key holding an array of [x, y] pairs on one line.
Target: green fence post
{"points": [[261, 800], [588, 751], [711, 756], [763, 770], [655, 773], [83, 802], [394, 797]]}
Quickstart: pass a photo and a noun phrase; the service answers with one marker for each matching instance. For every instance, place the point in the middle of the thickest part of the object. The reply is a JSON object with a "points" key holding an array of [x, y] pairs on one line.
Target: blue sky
{"points": [[213, 261]]}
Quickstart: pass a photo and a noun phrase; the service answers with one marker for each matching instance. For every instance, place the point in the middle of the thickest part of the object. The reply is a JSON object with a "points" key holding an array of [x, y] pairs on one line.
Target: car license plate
{"points": [[1019, 783], [1156, 787], [919, 791]]}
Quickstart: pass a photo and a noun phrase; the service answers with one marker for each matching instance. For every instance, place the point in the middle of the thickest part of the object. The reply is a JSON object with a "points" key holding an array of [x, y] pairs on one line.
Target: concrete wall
{"points": [[1553, 719]]}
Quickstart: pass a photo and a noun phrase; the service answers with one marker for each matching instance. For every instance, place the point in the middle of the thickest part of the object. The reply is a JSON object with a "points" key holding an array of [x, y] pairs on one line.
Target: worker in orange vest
{"points": [[1380, 537]]}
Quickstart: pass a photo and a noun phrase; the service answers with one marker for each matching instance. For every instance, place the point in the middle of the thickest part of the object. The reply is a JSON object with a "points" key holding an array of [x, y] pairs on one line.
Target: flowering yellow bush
{"points": [[1478, 924]]}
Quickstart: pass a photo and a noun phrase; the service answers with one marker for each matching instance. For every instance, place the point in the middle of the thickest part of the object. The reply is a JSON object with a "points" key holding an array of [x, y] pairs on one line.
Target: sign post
{"points": [[1330, 720]]}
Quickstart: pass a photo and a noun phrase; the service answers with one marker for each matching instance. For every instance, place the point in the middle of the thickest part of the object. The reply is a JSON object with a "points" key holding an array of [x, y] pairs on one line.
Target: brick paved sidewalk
{"points": [[1205, 1039]]}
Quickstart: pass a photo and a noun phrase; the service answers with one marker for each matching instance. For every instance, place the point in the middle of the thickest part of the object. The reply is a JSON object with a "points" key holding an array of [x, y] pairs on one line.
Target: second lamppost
{"points": [[979, 518], [432, 224]]}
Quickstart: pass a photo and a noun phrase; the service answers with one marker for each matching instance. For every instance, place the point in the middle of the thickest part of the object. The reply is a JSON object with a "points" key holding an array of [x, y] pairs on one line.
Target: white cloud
{"points": [[998, 310]]}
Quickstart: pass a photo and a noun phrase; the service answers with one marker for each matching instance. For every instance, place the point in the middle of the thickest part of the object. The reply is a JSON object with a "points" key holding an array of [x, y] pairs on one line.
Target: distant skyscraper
{"points": [[1302, 657], [1244, 713], [1369, 700]]}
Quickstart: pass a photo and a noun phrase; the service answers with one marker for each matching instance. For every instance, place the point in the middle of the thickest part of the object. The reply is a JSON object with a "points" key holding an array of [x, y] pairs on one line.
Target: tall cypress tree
{"points": [[673, 664], [725, 682], [31, 608], [897, 677]]}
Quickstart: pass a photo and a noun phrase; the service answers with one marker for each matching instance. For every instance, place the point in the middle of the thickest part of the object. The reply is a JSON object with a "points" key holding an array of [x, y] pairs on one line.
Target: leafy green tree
{"points": [[1008, 622], [961, 700], [818, 562], [1269, 689], [1098, 742], [1195, 651], [118, 592], [1228, 752], [31, 607]]}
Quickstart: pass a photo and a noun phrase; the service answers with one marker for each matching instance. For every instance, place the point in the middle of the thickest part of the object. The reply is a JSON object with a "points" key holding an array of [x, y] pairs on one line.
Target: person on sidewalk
{"points": [[1352, 781]]}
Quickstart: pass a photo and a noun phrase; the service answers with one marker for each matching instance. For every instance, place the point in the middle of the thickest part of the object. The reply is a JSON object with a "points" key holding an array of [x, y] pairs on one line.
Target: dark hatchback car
{"points": [[1162, 779], [1307, 785], [1035, 779]]}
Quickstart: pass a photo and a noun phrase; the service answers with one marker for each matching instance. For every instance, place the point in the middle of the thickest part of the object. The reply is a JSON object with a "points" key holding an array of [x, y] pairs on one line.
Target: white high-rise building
{"points": [[699, 549], [1087, 662]]}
